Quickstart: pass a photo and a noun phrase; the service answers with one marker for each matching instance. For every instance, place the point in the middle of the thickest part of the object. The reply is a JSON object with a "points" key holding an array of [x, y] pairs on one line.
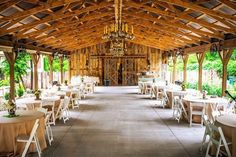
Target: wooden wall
{"points": [[97, 61]]}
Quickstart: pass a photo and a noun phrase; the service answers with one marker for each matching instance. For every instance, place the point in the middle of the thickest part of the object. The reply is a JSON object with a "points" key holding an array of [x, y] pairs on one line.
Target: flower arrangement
{"points": [[66, 83], [183, 86], [10, 106], [37, 93], [204, 93]]}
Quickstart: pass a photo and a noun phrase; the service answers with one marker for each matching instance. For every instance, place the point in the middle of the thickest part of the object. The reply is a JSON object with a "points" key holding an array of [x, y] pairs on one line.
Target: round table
{"points": [[10, 128], [209, 104], [208, 100], [21, 103], [171, 92], [228, 125]]}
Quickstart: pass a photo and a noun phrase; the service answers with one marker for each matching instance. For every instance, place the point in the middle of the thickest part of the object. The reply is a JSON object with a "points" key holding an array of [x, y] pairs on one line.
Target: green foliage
{"points": [[46, 67], [192, 85], [21, 65], [20, 92], [211, 89], [6, 96], [4, 83], [192, 62], [56, 67], [211, 62]]}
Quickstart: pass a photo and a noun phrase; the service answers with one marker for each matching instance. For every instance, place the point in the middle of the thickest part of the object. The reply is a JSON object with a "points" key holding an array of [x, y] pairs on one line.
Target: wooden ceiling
{"points": [[68, 25]]}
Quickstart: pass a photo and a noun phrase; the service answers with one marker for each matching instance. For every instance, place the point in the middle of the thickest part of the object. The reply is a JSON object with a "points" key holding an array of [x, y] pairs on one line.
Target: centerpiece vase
{"points": [[12, 112], [37, 97]]}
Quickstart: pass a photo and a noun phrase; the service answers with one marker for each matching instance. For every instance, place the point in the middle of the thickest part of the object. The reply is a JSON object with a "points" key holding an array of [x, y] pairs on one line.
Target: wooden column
{"points": [[225, 57], [35, 59], [174, 68], [200, 58], [50, 60], [185, 61], [11, 59], [61, 66], [69, 60]]}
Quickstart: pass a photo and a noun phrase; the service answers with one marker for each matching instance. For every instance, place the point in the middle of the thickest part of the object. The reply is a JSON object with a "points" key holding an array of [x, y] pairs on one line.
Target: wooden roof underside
{"points": [[68, 25]]}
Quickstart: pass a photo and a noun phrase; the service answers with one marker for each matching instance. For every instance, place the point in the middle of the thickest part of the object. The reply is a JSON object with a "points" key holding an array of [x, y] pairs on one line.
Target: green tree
{"points": [[21, 67], [56, 67]]}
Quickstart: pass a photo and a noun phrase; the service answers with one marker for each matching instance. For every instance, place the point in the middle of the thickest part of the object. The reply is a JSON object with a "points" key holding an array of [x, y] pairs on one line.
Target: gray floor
{"points": [[117, 122]]}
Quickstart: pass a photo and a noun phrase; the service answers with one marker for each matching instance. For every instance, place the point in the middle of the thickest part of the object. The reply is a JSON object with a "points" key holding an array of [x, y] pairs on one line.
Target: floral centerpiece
{"points": [[66, 83], [183, 86], [10, 106], [204, 93], [37, 94]]}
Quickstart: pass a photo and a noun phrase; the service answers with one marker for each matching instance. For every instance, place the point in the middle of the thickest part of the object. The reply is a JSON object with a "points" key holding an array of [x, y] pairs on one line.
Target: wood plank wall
{"points": [[90, 61]]}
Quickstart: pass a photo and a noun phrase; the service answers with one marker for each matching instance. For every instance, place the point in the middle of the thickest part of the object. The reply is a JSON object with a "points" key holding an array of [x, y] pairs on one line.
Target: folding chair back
{"points": [[217, 138], [30, 139]]}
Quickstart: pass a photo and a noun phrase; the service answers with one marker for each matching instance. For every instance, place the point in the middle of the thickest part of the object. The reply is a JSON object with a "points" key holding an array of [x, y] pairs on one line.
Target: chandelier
{"points": [[118, 32]]}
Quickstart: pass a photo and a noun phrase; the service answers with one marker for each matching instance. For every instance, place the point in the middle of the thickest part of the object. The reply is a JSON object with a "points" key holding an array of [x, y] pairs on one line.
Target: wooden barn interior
{"points": [[118, 42], [75, 27]]}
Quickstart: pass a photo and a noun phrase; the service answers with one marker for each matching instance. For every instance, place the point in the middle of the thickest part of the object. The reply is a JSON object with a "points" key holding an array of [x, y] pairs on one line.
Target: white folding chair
{"points": [[207, 132], [28, 139], [88, 87], [58, 109], [47, 124], [175, 107], [180, 110], [160, 96], [75, 98], [82, 90], [147, 88], [50, 106], [65, 109], [196, 109], [141, 88], [48, 128], [218, 139]]}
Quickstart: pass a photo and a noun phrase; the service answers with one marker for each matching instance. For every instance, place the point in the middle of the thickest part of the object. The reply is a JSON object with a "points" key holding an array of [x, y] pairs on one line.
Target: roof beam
{"points": [[55, 17], [38, 9], [182, 17], [199, 9]]}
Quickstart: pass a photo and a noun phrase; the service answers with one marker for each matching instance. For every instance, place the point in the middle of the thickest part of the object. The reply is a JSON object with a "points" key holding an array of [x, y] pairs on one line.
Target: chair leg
{"points": [[25, 149], [203, 140], [190, 120], [53, 118], [48, 136], [218, 150], [51, 135], [208, 148], [37, 146]]}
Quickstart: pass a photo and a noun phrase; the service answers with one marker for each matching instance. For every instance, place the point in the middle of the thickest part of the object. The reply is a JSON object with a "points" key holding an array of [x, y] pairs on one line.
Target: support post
{"points": [[69, 60], [225, 57], [50, 60], [185, 61], [61, 66], [174, 68], [200, 58], [11, 59], [35, 59]]}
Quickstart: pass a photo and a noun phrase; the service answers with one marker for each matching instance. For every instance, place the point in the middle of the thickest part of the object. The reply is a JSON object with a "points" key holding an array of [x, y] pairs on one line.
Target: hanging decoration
{"points": [[118, 32]]}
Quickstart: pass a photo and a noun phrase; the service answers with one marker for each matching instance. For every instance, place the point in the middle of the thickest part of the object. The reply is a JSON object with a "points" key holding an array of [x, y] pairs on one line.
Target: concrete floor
{"points": [[117, 122]]}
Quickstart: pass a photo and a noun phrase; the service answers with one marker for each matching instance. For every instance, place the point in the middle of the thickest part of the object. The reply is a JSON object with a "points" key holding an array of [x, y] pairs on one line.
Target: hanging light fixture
{"points": [[118, 32]]}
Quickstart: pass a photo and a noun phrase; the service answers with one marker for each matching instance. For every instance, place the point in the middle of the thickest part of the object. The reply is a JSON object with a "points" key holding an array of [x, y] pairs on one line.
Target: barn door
{"points": [[129, 73], [110, 71]]}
